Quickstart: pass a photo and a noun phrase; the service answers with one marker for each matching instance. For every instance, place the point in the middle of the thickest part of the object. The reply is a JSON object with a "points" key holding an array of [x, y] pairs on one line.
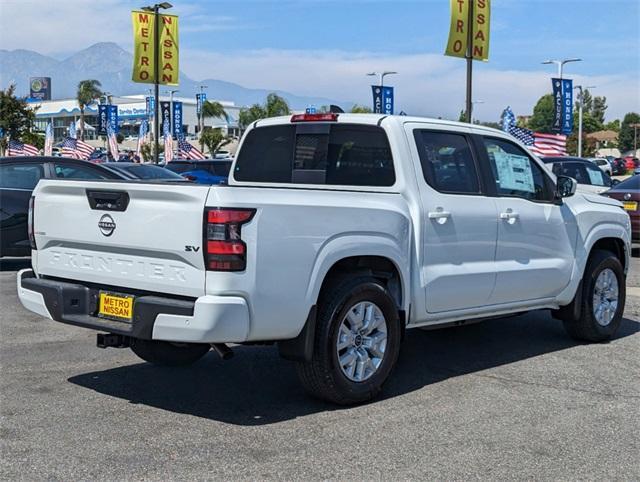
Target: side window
{"points": [[266, 155], [585, 174], [515, 173], [20, 176], [75, 171], [447, 162]]}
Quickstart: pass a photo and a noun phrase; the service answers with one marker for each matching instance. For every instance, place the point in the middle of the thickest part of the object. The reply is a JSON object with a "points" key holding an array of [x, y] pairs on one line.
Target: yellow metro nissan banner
{"points": [[143, 48], [457, 45]]}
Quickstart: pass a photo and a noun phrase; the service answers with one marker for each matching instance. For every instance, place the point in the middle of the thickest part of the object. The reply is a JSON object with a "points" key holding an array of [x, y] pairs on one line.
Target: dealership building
{"points": [[132, 110]]}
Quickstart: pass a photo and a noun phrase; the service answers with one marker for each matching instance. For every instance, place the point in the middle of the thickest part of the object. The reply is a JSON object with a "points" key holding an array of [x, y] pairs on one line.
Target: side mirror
{"points": [[565, 187], [615, 182]]}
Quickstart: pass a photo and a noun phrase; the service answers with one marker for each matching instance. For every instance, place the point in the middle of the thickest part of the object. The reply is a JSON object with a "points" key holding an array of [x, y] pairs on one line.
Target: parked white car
{"points": [[335, 234], [603, 164], [589, 176]]}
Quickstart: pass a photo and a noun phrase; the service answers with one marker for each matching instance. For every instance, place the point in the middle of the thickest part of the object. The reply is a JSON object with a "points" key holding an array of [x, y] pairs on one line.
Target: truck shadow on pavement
{"points": [[14, 264], [256, 387]]}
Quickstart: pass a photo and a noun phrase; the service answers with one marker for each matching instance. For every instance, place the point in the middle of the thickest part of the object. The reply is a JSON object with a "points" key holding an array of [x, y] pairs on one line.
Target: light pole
{"points": [[580, 102], [201, 120], [382, 75], [171, 92], [156, 68], [635, 126], [560, 63]]}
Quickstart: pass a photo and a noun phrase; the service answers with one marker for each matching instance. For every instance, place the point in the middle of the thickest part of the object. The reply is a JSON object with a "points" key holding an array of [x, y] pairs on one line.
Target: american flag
{"points": [[168, 143], [540, 144], [187, 151], [48, 140], [113, 142], [17, 148], [76, 149]]}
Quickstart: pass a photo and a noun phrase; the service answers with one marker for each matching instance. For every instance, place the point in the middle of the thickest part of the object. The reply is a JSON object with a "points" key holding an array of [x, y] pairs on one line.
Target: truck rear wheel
{"points": [[169, 354], [603, 299], [357, 341]]}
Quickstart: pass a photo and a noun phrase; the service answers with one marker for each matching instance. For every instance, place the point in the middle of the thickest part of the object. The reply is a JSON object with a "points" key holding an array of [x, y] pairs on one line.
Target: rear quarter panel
{"points": [[294, 239]]}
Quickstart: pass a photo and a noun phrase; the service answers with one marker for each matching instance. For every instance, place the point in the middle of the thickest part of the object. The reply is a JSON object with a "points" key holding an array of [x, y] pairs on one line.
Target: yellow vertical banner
{"points": [[457, 45], [169, 68], [458, 30], [144, 49]]}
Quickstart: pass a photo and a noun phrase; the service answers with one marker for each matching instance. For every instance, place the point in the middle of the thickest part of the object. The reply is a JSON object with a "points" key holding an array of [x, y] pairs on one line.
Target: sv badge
{"points": [[193, 249]]}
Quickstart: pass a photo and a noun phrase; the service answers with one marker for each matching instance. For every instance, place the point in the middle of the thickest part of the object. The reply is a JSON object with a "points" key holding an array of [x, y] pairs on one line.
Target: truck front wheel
{"points": [[165, 353], [357, 341], [603, 299]]}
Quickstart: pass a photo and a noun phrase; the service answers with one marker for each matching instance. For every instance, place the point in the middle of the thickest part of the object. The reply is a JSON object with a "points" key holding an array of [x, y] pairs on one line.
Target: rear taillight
{"points": [[224, 248], [30, 231], [319, 117]]}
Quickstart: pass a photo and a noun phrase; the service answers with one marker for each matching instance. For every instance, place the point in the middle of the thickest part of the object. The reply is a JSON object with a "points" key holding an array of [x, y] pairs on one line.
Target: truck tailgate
{"points": [[135, 235]]}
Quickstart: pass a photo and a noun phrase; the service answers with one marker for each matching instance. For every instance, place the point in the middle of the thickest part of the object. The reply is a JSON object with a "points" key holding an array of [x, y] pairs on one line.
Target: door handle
{"points": [[439, 215], [509, 216]]}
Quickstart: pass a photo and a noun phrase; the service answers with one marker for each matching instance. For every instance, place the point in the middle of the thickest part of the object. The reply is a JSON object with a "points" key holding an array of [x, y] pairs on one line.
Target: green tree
{"points": [[147, 151], [33, 138], [276, 106], [16, 117], [598, 108], [88, 92], [626, 136], [614, 125], [360, 109], [542, 118], [587, 101], [462, 117], [214, 109], [273, 107], [214, 139]]}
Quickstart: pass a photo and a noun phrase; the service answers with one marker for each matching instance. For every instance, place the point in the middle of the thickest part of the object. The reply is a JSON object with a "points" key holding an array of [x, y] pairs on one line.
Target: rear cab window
{"points": [[316, 154], [20, 176]]}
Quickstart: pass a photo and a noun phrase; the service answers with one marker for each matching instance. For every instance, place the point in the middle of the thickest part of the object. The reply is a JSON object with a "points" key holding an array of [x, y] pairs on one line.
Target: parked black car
{"points": [[618, 166], [18, 178], [134, 170]]}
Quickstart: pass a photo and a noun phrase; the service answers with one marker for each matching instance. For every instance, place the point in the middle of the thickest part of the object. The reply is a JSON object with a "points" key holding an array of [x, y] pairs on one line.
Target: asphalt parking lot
{"points": [[506, 399]]}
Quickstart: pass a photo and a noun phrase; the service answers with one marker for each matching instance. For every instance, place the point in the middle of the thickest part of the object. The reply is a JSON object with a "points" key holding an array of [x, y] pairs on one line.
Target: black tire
{"points": [[586, 326], [164, 353], [323, 377]]}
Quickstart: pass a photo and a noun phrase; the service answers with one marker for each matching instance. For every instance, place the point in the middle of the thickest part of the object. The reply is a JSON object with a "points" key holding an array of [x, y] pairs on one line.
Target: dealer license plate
{"points": [[115, 306], [630, 205]]}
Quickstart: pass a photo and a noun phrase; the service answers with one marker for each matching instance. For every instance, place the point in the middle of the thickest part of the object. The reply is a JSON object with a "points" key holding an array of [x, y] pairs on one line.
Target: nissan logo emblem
{"points": [[107, 225]]}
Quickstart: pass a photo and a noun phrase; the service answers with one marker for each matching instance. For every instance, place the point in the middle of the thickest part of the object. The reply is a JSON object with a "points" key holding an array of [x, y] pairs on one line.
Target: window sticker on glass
{"points": [[514, 172], [595, 176]]}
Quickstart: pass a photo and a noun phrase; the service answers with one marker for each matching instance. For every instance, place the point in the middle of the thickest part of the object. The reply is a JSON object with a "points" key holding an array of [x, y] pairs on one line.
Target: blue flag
{"points": [[567, 106]]}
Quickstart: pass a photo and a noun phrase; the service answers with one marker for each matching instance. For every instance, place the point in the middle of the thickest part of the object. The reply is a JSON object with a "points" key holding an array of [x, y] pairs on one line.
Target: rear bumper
{"points": [[208, 319]]}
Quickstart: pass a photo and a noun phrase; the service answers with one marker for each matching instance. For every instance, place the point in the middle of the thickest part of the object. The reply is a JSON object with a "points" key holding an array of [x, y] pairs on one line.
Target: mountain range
{"points": [[111, 65]]}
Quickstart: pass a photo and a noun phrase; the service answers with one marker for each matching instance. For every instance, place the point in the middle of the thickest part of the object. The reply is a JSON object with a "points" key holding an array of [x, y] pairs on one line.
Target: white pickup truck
{"points": [[335, 234]]}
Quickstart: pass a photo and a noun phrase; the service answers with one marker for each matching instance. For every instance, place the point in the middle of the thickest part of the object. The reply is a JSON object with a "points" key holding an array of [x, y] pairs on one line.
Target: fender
{"points": [[583, 249], [348, 245]]}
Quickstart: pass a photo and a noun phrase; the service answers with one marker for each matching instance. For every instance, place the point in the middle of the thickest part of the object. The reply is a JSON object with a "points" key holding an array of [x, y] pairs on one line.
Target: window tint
{"points": [[76, 171], [20, 176], [515, 173], [342, 154], [180, 167], [447, 162], [583, 173]]}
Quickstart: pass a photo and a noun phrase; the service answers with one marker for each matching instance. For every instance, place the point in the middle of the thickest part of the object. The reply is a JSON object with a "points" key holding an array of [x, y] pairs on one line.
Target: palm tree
{"points": [[212, 109], [276, 106], [88, 91]]}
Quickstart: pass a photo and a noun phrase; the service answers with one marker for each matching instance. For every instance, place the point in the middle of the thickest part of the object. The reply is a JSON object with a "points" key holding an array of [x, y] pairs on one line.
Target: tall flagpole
{"points": [[469, 57], [156, 75]]}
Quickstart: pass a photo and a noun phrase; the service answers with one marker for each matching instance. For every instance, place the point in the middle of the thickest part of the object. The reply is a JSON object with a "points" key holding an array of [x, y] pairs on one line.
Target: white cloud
{"points": [[428, 84]]}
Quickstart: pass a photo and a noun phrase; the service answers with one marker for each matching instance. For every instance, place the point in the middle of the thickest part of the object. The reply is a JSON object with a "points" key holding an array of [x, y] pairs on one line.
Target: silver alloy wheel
{"points": [[605, 297], [361, 341]]}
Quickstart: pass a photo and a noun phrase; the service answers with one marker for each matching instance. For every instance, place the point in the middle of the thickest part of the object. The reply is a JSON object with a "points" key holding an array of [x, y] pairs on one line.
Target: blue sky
{"points": [[321, 47]]}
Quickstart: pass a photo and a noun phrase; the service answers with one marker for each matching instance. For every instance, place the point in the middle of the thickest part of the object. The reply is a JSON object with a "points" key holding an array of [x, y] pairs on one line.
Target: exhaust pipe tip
{"points": [[223, 350]]}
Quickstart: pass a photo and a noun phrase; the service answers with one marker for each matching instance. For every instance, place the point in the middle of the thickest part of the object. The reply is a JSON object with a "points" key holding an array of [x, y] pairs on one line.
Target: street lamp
{"points": [[560, 63], [156, 69], [580, 102], [202, 87], [382, 75], [171, 92]]}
